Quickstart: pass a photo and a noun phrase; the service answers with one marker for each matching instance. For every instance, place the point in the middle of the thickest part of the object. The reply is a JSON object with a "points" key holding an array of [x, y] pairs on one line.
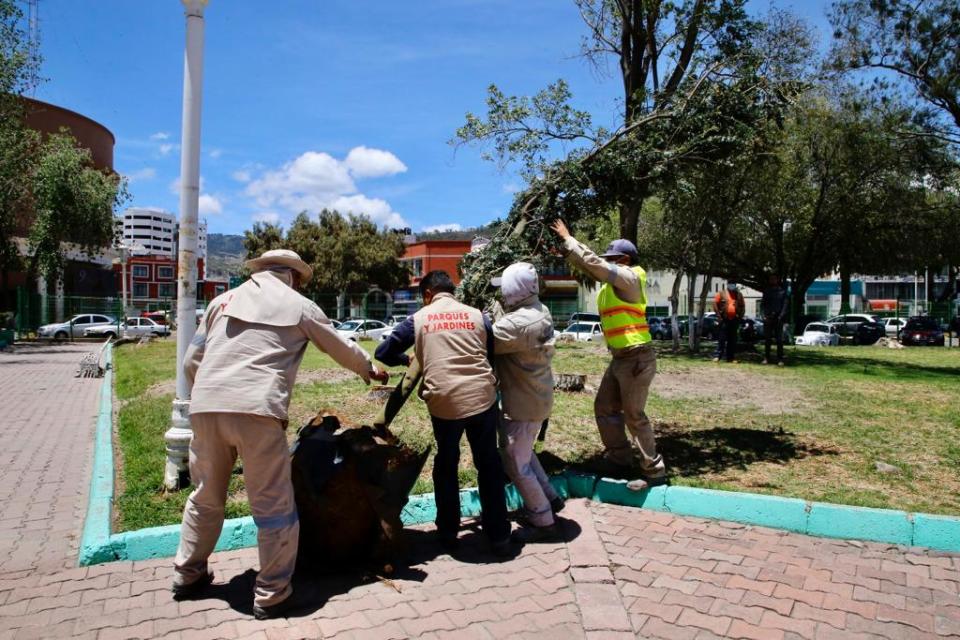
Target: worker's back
{"points": [[451, 347]]}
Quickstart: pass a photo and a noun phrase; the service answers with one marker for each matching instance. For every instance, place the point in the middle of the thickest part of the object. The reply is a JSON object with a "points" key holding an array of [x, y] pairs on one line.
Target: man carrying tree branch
{"points": [[622, 396]]}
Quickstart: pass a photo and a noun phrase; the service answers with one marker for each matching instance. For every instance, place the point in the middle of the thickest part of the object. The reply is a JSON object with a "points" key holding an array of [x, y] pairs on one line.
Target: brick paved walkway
{"points": [[622, 572], [46, 429]]}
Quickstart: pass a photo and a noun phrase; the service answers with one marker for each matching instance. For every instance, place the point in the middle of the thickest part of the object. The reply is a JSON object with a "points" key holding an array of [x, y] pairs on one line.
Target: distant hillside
{"points": [[225, 244], [225, 254]]}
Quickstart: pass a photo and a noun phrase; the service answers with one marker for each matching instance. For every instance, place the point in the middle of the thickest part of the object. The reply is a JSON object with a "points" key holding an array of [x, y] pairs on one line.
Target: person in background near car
{"points": [[622, 397], [241, 367], [773, 305], [524, 347], [729, 306], [454, 345]]}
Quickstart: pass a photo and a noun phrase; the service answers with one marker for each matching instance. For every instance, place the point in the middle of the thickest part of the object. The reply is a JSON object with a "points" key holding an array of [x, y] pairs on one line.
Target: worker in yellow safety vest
{"points": [[622, 397]]}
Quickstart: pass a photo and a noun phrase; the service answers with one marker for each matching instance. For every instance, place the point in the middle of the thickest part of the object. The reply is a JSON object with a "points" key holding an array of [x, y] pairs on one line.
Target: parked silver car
{"points": [[75, 327], [132, 328]]}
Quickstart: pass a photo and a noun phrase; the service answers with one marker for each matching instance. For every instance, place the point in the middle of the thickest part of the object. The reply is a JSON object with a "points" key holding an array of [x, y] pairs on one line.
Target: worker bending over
{"points": [[241, 367], [453, 344]]}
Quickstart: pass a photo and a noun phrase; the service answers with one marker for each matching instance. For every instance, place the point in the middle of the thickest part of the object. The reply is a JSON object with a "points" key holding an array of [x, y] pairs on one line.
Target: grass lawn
{"points": [[812, 430]]}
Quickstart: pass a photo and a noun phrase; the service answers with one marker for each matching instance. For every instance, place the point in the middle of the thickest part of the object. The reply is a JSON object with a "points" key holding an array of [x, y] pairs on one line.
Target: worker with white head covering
{"points": [[523, 352], [241, 367]]}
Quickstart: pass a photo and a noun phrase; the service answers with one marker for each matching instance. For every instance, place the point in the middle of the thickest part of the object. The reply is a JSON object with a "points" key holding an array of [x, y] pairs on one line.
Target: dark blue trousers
{"points": [[481, 432]]}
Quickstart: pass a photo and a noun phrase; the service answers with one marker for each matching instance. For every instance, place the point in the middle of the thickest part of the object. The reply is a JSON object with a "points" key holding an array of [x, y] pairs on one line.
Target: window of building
{"points": [[218, 289], [165, 290], [416, 267], [140, 290], [141, 271], [165, 273]]}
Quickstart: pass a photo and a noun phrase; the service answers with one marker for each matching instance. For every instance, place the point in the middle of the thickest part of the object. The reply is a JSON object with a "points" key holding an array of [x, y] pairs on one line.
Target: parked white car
{"points": [[893, 326], [357, 329], [818, 334], [75, 327], [583, 332], [132, 328]]}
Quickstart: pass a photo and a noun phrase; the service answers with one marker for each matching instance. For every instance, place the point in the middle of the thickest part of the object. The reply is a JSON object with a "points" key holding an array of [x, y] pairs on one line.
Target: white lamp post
{"points": [[126, 249], [179, 434]]}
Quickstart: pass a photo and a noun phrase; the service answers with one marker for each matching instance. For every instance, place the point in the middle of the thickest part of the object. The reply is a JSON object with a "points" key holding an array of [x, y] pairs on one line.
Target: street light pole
{"points": [[179, 434]]}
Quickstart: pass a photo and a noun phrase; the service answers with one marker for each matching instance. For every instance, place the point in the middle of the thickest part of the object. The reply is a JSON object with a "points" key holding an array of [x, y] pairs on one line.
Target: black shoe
{"points": [[557, 504], [192, 590], [532, 534], [503, 548], [449, 542], [278, 610]]}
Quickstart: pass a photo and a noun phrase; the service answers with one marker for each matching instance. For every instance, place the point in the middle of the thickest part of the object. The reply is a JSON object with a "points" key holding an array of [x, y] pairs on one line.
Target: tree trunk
{"points": [[798, 296], [674, 308], [702, 309], [844, 289], [693, 339], [630, 220]]}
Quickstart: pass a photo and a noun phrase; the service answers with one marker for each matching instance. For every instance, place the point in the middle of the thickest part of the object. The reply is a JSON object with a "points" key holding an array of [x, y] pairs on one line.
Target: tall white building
{"points": [[156, 230]]}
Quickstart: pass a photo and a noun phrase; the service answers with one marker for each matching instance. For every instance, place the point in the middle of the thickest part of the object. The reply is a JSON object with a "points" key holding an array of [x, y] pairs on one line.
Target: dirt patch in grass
{"points": [[729, 388]]}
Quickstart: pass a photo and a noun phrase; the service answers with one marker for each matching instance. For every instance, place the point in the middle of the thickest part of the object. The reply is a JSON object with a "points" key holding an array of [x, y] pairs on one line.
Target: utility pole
{"points": [[179, 434]]}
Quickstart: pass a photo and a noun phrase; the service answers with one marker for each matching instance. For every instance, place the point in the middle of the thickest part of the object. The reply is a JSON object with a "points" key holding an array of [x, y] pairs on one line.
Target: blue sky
{"points": [[312, 103]]}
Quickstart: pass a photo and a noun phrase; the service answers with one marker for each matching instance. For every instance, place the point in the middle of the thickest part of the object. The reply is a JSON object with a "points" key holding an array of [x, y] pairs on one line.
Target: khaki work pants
{"points": [[524, 470], [261, 441], [620, 402]]}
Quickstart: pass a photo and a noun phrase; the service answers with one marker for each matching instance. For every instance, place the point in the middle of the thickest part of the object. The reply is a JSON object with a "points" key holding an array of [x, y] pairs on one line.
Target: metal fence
{"points": [[34, 310]]}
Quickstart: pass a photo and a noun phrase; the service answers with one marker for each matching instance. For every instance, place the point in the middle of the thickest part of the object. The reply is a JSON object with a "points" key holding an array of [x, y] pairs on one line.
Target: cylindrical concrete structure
{"points": [[179, 435]]}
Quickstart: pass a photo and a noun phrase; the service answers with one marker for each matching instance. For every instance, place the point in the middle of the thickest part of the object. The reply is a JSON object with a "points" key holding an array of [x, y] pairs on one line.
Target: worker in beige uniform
{"points": [[622, 397], [523, 353], [241, 367]]}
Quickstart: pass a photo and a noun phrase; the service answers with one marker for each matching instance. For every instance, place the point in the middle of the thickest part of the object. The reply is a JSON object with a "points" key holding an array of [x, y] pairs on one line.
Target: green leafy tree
{"points": [[661, 50], [348, 254], [18, 145], [73, 204], [918, 42]]}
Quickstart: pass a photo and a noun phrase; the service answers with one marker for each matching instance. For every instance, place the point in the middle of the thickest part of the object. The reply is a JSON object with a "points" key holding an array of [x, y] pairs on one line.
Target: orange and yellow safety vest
{"points": [[624, 323]]}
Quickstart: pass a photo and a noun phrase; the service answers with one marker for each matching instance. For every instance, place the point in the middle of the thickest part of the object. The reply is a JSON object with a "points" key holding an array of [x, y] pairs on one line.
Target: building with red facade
{"points": [[152, 282]]}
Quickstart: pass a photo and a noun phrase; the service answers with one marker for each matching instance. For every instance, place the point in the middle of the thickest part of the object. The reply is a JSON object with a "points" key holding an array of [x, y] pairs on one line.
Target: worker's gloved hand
{"points": [[379, 375]]}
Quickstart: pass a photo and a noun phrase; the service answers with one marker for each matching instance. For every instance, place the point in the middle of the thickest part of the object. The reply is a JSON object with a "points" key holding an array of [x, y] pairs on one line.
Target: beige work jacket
{"points": [[249, 345], [523, 352]]}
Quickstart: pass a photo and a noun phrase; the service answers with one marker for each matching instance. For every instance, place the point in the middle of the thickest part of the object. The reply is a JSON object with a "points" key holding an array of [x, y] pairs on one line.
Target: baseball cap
{"points": [[621, 247]]}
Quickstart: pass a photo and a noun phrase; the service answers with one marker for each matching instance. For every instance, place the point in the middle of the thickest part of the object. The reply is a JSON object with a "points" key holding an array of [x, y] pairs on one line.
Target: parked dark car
{"points": [[869, 332], [922, 331]]}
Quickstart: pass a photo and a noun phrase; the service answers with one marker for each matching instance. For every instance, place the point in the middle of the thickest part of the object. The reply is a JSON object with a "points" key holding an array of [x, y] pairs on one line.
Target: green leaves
{"points": [[347, 253]]}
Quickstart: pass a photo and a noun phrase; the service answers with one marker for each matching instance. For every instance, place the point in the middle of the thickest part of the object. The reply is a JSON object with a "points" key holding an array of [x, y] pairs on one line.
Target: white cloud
{"points": [[166, 148], [147, 173], [271, 217], [209, 205], [364, 162], [452, 226], [316, 180], [216, 153], [160, 135], [241, 175], [511, 187]]}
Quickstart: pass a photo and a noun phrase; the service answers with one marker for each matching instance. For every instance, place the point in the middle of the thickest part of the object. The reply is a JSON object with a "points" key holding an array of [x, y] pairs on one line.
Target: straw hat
{"points": [[281, 258]]}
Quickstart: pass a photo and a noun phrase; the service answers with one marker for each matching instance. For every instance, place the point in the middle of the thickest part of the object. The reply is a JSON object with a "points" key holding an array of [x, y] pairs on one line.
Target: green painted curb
{"points": [[936, 532], [746, 508], [98, 545], [860, 523]]}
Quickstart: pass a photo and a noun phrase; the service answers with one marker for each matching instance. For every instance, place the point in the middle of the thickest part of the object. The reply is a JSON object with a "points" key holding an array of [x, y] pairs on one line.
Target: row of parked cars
{"points": [[862, 328], [97, 325], [585, 327]]}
